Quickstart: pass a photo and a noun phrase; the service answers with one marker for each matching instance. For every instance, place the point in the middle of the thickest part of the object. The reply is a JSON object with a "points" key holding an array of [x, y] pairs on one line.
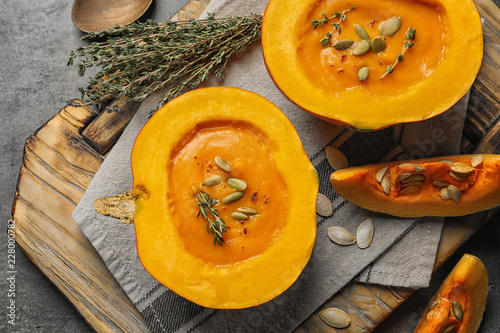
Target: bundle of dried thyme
{"points": [[141, 58]]}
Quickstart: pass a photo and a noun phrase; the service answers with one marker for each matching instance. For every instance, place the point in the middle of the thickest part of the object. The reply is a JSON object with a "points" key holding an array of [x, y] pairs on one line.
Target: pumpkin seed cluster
{"points": [[376, 44], [413, 182], [239, 185]]}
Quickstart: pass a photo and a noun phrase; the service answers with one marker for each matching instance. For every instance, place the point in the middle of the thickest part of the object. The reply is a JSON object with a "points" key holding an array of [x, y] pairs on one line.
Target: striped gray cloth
{"points": [[402, 253]]}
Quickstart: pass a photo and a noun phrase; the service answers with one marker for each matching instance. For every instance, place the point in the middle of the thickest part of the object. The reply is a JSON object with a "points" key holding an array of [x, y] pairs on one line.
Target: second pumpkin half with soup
{"points": [[371, 64]]}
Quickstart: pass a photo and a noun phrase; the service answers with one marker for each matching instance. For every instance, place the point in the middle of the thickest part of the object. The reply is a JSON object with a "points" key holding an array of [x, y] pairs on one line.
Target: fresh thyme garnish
{"points": [[327, 40], [141, 58], [216, 227], [410, 37]]}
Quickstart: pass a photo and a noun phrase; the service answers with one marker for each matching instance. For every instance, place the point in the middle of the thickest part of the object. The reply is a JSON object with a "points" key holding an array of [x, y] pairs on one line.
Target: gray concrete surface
{"points": [[35, 83]]}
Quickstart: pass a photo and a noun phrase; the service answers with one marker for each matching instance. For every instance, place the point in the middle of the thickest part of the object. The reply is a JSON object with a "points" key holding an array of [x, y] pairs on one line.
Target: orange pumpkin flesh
{"points": [[171, 158], [467, 284], [480, 189], [436, 72]]}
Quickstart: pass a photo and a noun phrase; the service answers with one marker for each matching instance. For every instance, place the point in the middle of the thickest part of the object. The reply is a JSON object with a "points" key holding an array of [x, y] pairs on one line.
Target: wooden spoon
{"points": [[95, 15]]}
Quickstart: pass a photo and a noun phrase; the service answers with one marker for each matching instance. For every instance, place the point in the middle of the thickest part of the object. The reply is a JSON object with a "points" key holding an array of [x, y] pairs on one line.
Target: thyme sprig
{"points": [[410, 37], [141, 58], [327, 40], [206, 205]]}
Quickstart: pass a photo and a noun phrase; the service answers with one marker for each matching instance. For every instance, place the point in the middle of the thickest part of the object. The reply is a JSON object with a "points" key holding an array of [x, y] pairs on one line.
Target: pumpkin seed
{"points": [[212, 181], [363, 73], [361, 32], [404, 164], [324, 206], [386, 184], [380, 174], [454, 193], [364, 234], [405, 175], [459, 176], [378, 44], [336, 158], [419, 168], [248, 211], [444, 193], [412, 178], [239, 216], [449, 329], [341, 236], [237, 184], [343, 44], [230, 198], [461, 168], [336, 318], [411, 189], [446, 161], [476, 160], [361, 47], [440, 183], [390, 26], [457, 310], [222, 163]]}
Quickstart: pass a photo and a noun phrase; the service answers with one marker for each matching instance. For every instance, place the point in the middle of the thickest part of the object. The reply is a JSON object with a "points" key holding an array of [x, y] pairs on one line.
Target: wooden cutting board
{"points": [[62, 156]]}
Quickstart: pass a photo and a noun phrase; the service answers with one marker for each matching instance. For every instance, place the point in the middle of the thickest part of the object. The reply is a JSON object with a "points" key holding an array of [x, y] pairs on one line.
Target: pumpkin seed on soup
{"points": [[222, 163], [377, 44], [363, 73], [361, 32], [237, 184], [343, 44], [361, 47], [248, 211], [212, 181], [239, 216], [230, 198], [390, 26]]}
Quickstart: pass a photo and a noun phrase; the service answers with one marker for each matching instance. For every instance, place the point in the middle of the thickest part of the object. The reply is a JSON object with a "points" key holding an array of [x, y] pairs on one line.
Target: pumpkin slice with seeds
{"points": [[440, 186], [459, 304]]}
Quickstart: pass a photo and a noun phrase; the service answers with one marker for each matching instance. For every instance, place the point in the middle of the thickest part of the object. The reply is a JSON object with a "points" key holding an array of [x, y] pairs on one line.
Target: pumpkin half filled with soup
{"points": [[371, 64], [226, 196]]}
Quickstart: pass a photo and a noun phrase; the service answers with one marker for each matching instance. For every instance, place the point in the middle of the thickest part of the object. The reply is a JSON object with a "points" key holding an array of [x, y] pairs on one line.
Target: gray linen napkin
{"points": [[402, 253]]}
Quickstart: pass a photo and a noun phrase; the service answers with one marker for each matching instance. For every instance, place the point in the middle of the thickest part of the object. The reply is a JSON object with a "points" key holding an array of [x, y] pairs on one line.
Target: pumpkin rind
{"points": [[162, 252], [467, 284], [361, 109], [358, 185]]}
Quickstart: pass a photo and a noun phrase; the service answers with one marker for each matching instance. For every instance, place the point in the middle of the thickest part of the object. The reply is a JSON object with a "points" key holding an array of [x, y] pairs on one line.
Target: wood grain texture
{"points": [[59, 163], [106, 129]]}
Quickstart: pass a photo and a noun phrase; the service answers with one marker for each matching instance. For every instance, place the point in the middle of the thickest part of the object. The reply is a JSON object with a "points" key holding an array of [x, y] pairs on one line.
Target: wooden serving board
{"points": [[62, 156]]}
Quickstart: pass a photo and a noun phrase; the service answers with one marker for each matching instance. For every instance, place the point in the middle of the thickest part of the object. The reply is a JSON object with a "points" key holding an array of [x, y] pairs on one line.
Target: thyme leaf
{"points": [[408, 44], [327, 40], [215, 226], [141, 58]]}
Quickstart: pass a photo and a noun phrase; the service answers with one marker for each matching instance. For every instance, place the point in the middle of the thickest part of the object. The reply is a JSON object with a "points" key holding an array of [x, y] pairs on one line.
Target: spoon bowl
{"points": [[95, 15]]}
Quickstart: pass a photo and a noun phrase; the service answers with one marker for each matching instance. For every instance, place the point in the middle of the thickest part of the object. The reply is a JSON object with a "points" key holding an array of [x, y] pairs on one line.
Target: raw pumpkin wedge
{"points": [[342, 60], [459, 304], [439, 186], [222, 153]]}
